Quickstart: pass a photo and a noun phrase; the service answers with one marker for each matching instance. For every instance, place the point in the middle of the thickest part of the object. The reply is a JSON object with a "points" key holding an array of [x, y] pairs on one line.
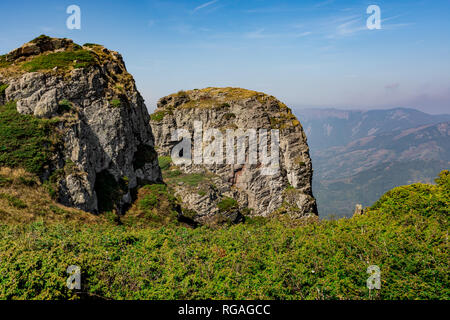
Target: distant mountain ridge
{"points": [[359, 155], [339, 197], [333, 127], [427, 142]]}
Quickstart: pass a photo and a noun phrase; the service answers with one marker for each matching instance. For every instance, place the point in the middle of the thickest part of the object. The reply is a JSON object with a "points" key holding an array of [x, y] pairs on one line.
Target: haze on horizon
{"points": [[306, 53]]}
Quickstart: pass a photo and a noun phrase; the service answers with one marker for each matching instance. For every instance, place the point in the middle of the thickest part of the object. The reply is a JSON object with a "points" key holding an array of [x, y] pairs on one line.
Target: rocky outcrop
{"points": [[213, 191], [106, 147]]}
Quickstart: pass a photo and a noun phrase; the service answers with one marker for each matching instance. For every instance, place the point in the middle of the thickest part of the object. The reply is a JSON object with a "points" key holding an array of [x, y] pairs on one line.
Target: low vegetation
{"points": [[24, 200], [227, 204], [164, 162], [172, 175], [3, 62], [62, 60], [405, 233], [3, 88], [25, 141], [155, 206], [158, 116], [115, 103]]}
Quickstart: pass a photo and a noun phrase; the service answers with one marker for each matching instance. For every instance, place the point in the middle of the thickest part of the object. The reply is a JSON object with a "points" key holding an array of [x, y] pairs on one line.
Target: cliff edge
{"points": [[97, 146], [213, 188]]}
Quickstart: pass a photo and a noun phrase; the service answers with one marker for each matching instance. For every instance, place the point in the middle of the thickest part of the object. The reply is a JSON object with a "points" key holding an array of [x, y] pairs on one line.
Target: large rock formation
{"points": [[228, 190], [106, 146]]}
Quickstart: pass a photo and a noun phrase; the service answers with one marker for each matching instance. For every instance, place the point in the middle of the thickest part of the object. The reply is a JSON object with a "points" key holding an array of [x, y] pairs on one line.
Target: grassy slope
{"points": [[25, 141], [405, 234]]}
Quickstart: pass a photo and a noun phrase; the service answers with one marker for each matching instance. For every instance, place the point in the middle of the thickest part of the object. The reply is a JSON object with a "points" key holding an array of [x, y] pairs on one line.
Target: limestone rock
{"points": [[103, 122], [287, 190], [359, 211]]}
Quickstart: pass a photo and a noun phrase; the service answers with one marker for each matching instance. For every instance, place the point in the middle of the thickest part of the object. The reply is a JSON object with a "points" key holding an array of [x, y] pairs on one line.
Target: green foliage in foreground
{"points": [[405, 234], [63, 60], [25, 141]]}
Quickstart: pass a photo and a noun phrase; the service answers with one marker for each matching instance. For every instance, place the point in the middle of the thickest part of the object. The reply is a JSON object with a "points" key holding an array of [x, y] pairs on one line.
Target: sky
{"points": [[309, 54]]}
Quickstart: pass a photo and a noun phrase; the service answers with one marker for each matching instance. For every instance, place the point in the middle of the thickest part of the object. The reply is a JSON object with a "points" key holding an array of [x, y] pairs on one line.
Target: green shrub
{"points": [[41, 38], [3, 62], [192, 179], [25, 141], [443, 180], [164, 162], [155, 206], [172, 174], [158, 116], [424, 198], [3, 88], [27, 181], [182, 94], [13, 201], [275, 259], [149, 202], [116, 103], [227, 204], [5, 181], [64, 106], [160, 190], [91, 45], [63, 60]]}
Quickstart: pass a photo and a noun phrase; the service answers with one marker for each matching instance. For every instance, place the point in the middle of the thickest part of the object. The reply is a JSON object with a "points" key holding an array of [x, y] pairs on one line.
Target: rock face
{"points": [[106, 143], [227, 190]]}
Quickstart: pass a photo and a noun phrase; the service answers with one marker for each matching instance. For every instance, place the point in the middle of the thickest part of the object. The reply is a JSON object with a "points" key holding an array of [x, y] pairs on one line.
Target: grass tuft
{"points": [[63, 60]]}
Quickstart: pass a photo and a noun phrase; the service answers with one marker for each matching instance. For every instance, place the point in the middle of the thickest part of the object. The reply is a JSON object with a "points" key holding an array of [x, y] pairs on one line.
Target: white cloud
{"points": [[207, 4], [258, 34], [304, 34], [323, 3], [261, 34]]}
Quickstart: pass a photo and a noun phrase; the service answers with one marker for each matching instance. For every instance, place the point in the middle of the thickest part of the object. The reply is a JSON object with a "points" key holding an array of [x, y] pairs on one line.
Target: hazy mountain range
{"points": [[359, 155]]}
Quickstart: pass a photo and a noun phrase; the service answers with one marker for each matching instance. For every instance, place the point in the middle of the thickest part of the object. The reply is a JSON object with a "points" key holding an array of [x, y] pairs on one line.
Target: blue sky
{"points": [[306, 53]]}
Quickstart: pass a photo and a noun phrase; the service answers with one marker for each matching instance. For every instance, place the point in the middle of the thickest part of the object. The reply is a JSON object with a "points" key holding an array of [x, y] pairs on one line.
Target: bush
{"points": [[155, 206], [91, 45], [64, 106], [148, 202], [116, 103], [158, 116], [227, 204], [164, 162], [3, 88], [63, 60], [25, 141], [3, 62], [41, 38], [444, 180], [429, 200], [13, 201], [192, 179], [261, 259]]}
